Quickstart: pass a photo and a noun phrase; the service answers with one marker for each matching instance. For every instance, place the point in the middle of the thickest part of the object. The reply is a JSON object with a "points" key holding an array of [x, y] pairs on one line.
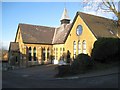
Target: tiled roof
{"points": [[14, 46], [61, 33], [36, 34], [100, 27]]}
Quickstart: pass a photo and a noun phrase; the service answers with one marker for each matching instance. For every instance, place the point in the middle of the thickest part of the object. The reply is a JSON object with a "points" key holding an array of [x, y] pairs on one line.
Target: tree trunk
{"points": [[119, 22]]}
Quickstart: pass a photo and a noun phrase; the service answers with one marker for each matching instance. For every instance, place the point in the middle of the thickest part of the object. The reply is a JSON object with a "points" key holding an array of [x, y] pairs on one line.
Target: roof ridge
{"points": [[78, 12], [53, 39], [35, 25], [103, 24], [13, 42]]}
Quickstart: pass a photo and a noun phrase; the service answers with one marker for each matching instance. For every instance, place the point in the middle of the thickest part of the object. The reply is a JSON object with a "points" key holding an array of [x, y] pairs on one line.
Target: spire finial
{"points": [[65, 4], [65, 14], [65, 18]]}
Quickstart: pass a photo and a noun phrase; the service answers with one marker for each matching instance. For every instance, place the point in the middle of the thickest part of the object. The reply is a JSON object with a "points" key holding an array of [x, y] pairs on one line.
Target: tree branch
{"points": [[105, 4], [113, 5]]}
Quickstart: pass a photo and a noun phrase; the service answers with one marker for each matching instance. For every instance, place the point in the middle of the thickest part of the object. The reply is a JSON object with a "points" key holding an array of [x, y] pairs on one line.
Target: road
{"points": [[43, 77]]}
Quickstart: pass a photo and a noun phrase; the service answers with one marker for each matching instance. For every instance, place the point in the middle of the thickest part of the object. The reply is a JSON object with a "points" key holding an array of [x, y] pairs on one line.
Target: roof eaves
{"points": [[38, 43], [79, 13], [71, 26], [17, 32], [58, 43], [36, 25]]}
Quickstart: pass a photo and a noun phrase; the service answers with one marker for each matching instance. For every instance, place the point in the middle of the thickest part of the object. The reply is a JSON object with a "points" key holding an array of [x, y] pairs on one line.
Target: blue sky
{"points": [[36, 13]]}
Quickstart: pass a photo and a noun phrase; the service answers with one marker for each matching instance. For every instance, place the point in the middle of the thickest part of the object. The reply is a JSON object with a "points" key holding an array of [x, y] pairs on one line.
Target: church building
{"points": [[42, 44]]}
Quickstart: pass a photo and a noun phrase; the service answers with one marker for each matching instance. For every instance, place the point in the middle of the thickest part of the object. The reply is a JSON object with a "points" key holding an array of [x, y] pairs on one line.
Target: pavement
{"points": [[43, 77], [26, 71], [105, 72]]}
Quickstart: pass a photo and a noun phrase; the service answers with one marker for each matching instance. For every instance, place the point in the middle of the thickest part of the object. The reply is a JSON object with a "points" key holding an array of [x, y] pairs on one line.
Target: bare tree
{"points": [[105, 5]]}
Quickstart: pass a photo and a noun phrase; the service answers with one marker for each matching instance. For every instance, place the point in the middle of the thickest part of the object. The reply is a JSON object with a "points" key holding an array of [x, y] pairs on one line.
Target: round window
{"points": [[79, 30]]}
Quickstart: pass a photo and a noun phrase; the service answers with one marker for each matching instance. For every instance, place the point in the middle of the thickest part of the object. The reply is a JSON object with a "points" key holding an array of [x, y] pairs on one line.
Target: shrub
{"points": [[82, 63], [106, 49], [63, 70]]}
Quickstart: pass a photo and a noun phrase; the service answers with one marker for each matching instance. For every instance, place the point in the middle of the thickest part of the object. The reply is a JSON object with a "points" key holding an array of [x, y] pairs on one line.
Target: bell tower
{"points": [[65, 18]]}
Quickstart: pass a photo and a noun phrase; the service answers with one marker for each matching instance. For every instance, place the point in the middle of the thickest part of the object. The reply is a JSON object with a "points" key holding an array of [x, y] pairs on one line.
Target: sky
{"points": [[36, 13]]}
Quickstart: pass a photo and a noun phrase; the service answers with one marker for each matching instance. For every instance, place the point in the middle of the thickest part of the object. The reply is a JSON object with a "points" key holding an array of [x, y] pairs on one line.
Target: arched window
{"points": [[48, 53], [63, 54], [30, 58], [74, 49], [44, 52], [84, 46], [56, 53], [79, 49], [34, 53], [60, 51], [63, 49]]}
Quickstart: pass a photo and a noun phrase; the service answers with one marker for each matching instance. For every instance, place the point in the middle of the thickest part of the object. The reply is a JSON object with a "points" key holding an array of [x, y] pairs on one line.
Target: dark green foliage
{"points": [[63, 70], [82, 63], [68, 57], [106, 49]]}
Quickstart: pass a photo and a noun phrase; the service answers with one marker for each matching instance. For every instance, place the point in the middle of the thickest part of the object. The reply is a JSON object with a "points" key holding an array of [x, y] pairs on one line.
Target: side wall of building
{"points": [[37, 49], [58, 51], [73, 44], [40, 50], [86, 36]]}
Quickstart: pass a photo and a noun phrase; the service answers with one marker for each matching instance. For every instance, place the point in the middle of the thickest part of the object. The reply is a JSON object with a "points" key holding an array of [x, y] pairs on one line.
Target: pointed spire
{"points": [[65, 18], [65, 15]]}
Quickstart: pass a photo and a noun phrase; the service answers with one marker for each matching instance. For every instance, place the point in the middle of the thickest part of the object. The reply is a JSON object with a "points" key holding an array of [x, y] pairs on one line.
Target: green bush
{"points": [[63, 70], [82, 63], [106, 49]]}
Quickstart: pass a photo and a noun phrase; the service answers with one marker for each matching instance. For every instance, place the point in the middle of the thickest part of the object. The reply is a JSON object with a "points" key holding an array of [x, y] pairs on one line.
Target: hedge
{"points": [[82, 63], [106, 49]]}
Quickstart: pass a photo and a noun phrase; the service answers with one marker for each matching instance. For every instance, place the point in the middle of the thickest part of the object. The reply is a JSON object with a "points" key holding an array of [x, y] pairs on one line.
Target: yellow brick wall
{"points": [[86, 35], [23, 46], [58, 46], [39, 49], [20, 41]]}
